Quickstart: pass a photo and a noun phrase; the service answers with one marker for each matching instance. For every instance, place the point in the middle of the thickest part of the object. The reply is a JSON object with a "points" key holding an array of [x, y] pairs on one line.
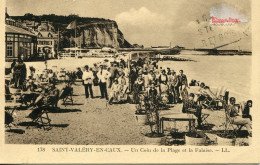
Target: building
{"points": [[46, 26], [46, 46], [19, 43]]}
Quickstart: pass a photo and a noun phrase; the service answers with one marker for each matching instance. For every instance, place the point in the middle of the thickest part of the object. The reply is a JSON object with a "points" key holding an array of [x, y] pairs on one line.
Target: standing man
{"points": [[23, 73], [79, 73], [132, 77], [114, 73], [17, 74], [12, 71], [183, 82], [168, 71], [103, 76], [88, 79], [174, 89], [175, 82]]}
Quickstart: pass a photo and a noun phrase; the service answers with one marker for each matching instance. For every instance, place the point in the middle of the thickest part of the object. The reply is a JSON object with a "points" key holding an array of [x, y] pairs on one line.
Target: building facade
{"points": [[19, 43], [46, 44]]}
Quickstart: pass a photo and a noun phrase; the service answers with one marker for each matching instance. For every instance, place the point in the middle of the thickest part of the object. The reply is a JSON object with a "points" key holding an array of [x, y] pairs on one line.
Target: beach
{"points": [[95, 122]]}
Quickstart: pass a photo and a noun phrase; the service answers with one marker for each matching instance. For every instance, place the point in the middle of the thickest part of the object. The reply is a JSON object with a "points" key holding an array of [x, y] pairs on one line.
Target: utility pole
{"points": [[58, 43]]}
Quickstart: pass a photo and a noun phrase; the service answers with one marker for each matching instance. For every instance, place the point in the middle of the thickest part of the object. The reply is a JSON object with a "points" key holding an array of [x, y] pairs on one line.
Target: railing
{"points": [[82, 55], [67, 55]]}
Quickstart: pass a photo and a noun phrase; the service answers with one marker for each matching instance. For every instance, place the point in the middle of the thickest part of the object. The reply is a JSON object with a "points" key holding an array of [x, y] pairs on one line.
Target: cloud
{"points": [[140, 18], [182, 23], [144, 26]]}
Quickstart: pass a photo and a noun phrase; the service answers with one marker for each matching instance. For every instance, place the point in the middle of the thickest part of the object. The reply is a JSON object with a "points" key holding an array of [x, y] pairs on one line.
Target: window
{"points": [[50, 35], [9, 49]]}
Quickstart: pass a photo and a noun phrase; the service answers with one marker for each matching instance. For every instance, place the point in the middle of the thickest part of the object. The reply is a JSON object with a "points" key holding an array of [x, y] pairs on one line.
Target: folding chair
{"points": [[211, 101], [204, 117], [235, 128], [66, 95], [8, 119], [12, 102], [40, 116], [62, 74]]}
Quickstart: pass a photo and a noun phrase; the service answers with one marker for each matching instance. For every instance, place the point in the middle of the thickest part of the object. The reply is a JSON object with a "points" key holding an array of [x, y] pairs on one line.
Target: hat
{"points": [[232, 99], [140, 72]]}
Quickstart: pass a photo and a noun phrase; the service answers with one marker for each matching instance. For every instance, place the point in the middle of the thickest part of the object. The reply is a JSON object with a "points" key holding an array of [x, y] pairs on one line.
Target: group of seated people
{"points": [[239, 113], [36, 86]]}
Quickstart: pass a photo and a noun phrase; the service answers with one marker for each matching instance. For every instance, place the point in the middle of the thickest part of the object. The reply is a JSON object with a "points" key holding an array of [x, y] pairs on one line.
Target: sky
{"points": [[157, 22]]}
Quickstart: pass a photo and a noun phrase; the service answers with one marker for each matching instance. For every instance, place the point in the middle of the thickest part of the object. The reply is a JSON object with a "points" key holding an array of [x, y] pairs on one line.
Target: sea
{"points": [[232, 73]]}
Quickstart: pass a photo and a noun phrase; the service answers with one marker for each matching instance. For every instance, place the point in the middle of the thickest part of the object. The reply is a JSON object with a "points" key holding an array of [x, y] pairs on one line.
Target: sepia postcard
{"points": [[130, 81]]}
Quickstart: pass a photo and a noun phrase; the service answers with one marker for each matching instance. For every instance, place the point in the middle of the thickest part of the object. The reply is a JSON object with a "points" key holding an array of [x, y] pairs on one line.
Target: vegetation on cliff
{"points": [[91, 32]]}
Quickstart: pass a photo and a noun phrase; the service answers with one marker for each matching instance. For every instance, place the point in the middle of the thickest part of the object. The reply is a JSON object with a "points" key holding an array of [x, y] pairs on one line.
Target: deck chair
{"points": [[40, 115], [12, 96], [40, 112], [204, 117], [212, 100], [8, 119], [12, 103], [235, 128], [62, 74], [66, 95]]}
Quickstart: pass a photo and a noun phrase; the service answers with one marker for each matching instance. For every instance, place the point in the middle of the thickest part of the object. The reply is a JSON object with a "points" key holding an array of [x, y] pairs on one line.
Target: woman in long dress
{"points": [[114, 92]]}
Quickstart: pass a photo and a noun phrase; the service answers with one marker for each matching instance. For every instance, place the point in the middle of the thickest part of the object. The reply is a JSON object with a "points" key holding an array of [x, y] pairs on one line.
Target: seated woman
{"points": [[32, 75], [192, 83], [139, 83], [202, 88], [246, 111], [122, 81], [51, 76], [137, 88], [114, 92], [152, 92], [233, 112], [53, 95], [192, 106]]}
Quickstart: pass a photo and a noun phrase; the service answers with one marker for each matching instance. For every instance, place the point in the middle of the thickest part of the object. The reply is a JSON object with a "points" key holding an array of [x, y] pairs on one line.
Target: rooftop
{"points": [[14, 29]]}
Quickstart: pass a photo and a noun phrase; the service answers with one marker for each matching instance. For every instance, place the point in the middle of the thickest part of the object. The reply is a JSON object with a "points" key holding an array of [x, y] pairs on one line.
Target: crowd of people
{"points": [[130, 79], [127, 80], [145, 76]]}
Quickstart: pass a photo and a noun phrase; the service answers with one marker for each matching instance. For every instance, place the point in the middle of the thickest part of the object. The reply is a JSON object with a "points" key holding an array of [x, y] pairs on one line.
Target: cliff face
{"points": [[91, 32], [96, 35]]}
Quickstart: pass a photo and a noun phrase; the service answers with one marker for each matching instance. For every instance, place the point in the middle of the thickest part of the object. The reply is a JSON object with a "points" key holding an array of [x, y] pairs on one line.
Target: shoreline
{"points": [[193, 70]]}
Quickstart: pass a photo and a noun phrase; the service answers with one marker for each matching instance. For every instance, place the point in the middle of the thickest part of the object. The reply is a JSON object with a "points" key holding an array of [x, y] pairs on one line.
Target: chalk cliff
{"points": [[96, 35]]}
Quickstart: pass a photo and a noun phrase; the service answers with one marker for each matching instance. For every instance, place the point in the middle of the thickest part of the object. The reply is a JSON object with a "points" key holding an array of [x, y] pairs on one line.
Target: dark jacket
{"points": [[165, 81]]}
